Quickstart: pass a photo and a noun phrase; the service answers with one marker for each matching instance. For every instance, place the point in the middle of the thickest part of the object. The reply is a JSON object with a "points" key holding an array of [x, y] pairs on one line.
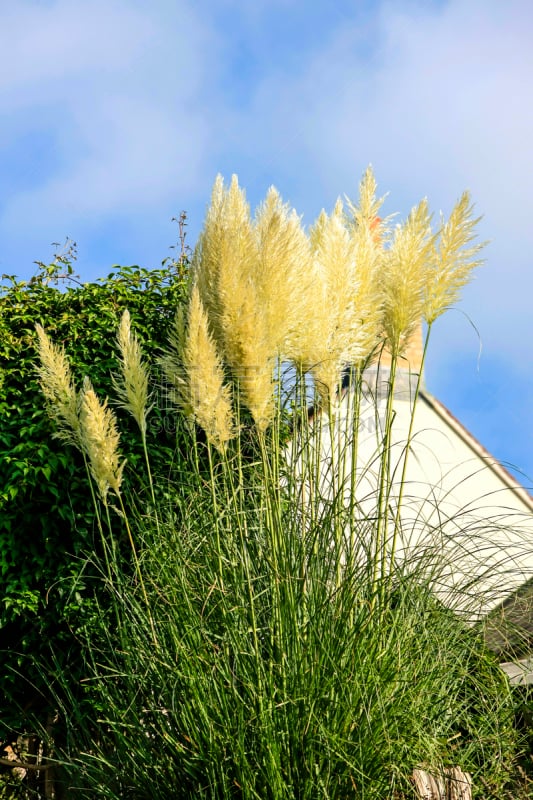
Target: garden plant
{"points": [[252, 635]]}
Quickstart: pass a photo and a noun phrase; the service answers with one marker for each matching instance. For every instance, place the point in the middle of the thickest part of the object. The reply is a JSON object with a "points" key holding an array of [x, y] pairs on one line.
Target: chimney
{"points": [[411, 359]]}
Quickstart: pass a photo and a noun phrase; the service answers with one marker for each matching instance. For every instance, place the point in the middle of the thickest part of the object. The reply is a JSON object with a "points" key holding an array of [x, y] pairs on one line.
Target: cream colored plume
{"points": [[225, 261], [365, 213], [132, 383], [327, 300], [283, 275], [405, 275], [343, 309], [100, 439], [57, 385], [226, 266], [194, 369], [453, 258]]}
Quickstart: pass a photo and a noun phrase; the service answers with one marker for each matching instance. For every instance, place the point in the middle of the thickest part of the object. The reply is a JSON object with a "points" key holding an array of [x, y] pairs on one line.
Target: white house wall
{"points": [[457, 503]]}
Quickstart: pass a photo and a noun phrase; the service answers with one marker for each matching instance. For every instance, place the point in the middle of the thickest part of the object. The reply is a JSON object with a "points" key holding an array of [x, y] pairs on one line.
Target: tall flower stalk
{"points": [[405, 263], [57, 386], [100, 440], [132, 387], [452, 259], [83, 421]]}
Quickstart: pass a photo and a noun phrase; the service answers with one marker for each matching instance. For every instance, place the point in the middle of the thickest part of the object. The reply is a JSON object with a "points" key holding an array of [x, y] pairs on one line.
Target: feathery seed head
{"points": [[225, 261], [100, 439], [132, 384], [366, 212], [453, 258], [346, 308], [194, 369], [283, 272], [253, 363], [57, 385], [405, 276], [241, 288], [326, 299]]}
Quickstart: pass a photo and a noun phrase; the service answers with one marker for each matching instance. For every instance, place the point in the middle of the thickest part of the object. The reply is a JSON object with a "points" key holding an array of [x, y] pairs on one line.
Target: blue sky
{"points": [[117, 114]]}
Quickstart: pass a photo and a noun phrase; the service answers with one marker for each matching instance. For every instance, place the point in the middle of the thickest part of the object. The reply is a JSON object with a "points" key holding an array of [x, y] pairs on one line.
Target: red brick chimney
{"points": [[411, 359]]}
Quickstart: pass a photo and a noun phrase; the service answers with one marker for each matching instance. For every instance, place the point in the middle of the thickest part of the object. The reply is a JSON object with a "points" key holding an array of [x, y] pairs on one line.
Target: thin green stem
{"points": [[384, 489], [216, 511], [137, 567], [237, 508], [336, 483], [397, 518], [355, 409], [150, 479], [96, 507]]}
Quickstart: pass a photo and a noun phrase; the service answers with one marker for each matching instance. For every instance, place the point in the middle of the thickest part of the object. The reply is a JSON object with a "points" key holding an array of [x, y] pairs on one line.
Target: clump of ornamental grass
{"points": [[91, 426], [295, 656], [285, 688]]}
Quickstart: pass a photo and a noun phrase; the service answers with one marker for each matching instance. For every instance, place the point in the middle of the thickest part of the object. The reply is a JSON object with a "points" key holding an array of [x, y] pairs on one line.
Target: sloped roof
{"points": [[479, 450], [508, 628]]}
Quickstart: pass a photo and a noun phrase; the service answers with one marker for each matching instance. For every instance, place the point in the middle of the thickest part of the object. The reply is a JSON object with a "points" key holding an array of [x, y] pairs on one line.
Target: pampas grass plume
{"points": [[366, 211], [132, 385], [226, 268], [224, 263], [405, 277], [57, 385], [283, 276], [195, 371], [343, 314], [100, 439], [453, 259]]}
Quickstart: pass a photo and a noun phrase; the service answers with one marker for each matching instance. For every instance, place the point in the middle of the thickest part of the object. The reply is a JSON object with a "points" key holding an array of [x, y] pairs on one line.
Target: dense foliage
{"points": [[46, 512]]}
